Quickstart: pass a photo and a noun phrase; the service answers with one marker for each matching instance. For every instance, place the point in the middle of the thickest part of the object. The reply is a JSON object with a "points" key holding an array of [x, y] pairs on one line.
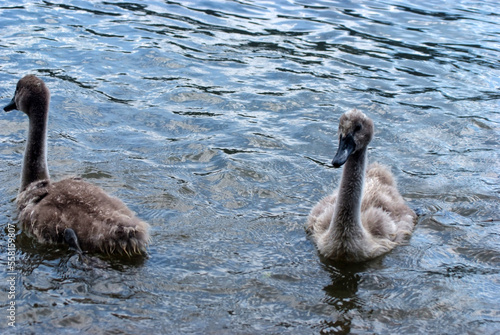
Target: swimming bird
{"points": [[366, 216], [70, 210]]}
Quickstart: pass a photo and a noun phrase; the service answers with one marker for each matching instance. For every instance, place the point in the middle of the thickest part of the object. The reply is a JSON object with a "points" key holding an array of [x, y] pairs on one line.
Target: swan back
{"points": [[102, 223], [385, 212]]}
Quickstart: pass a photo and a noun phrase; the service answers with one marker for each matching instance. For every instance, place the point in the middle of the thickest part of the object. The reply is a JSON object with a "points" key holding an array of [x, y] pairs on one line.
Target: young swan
{"points": [[70, 210], [360, 220]]}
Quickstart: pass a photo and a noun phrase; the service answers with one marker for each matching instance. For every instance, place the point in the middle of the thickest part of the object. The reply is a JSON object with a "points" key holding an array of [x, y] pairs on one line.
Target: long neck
{"points": [[35, 159], [347, 217]]}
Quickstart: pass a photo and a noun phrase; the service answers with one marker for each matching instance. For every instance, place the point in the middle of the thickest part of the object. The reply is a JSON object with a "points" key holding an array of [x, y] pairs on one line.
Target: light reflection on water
{"points": [[216, 121]]}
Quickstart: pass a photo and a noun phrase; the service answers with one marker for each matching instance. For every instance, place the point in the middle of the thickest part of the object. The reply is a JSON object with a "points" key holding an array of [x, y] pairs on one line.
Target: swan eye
{"points": [[357, 128]]}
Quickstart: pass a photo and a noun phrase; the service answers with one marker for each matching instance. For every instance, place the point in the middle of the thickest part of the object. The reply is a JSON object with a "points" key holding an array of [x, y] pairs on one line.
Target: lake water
{"points": [[216, 122]]}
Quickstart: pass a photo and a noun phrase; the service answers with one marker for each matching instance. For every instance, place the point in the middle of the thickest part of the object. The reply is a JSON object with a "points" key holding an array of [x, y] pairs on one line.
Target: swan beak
{"points": [[346, 147], [12, 105]]}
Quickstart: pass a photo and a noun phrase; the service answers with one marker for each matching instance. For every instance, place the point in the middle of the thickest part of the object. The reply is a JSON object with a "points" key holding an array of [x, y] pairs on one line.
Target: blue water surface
{"points": [[215, 121]]}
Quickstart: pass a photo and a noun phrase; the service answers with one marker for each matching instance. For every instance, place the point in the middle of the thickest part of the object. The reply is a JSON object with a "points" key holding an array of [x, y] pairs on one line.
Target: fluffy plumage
{"points": [[47, 209], [366, 216]]}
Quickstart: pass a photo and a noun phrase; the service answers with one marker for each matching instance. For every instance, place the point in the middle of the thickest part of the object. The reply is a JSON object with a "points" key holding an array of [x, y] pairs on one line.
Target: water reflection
{"points": [[342, 291]]}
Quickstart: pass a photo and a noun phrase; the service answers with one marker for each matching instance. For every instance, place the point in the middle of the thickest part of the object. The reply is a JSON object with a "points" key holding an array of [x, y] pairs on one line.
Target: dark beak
{"points": [[10, 106], [346, 147]]}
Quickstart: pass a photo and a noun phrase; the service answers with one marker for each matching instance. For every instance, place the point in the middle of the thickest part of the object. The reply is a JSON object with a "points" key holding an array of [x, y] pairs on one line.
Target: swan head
{"points": [[30, 91], [355, 132]]}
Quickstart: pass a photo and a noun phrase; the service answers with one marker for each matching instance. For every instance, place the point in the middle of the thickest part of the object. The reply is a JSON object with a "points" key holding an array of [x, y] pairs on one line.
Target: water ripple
{"points": [[216, 122]]}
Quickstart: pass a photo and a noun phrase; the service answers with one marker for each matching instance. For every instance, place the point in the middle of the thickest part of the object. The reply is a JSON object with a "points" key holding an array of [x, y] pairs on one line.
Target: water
{"points": [[216, 122]]}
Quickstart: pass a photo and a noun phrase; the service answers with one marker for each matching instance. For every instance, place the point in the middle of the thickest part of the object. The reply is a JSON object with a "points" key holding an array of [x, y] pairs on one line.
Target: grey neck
{"points": [[347, 216], [35, 159]]}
